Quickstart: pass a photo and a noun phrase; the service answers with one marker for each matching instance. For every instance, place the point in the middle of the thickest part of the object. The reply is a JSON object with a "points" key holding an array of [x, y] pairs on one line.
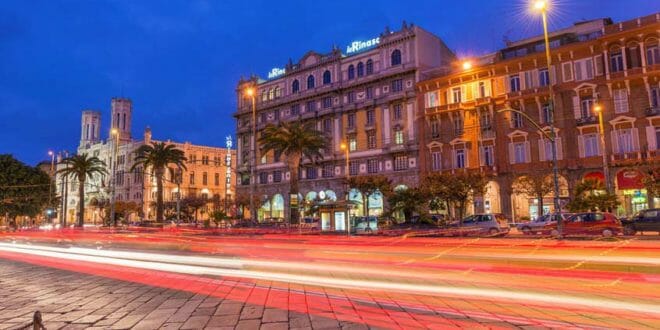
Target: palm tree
{"points": [[295, 141], [158, 156], [81, 168]]}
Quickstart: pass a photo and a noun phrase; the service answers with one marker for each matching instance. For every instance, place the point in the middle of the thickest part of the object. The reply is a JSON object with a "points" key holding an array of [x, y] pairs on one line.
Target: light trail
{"points": [[179, 264]]}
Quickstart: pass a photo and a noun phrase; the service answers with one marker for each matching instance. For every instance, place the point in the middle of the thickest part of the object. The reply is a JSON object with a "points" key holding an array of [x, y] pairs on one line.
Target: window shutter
{"points": [[528, 152], [541, 149], [560, 149], [512, 156], [581, 146], [615, 141], [464, 95], [589, 63], [567, 73], [650, 138], [535, 78], [475, 90], [524, 84], [598, 64], [576, 107], [635, 136]]}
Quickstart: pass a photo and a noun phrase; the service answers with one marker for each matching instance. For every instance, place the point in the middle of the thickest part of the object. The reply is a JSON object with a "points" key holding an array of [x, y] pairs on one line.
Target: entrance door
{"points": [[325, 221]]}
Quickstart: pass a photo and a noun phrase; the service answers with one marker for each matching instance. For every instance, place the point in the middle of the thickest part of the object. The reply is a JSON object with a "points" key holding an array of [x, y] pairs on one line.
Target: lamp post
{"points": [[601, 127], [253, 150], [542, 6], [50, 186], [179, 177], [114, 134], [345, 147]]}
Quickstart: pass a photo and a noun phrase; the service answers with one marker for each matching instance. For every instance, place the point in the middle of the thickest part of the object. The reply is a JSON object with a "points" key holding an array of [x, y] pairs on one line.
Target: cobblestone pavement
{"points": [[69, 300]]}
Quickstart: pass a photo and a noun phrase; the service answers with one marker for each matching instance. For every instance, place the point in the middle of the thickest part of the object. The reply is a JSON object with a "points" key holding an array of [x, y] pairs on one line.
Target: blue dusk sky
{"points": [[179, 60]]}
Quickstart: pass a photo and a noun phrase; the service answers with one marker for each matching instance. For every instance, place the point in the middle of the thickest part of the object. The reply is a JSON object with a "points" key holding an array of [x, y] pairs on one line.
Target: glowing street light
{"points": [[467, 65], [250, 91], [344, 146], [598, 109]]}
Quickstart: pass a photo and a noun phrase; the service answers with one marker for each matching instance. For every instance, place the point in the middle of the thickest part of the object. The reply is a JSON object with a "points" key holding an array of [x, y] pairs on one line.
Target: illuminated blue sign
{"points": [[358, 46], [276, 72]]}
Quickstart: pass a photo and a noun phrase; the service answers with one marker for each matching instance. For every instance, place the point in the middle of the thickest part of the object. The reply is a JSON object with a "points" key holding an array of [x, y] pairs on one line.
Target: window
{"points": [[370, 93], [216, 179], [616, 61], [327, 77], [371, 139], [264, 96], [396, 57], [397, 112], [488, 156], [310, 82], [205, 178], [263, 117], [352, 143], [567, 71], [311, 173], [546, 114], [278, 92], [436, 161], [634, 56], [398, 136], [277, 176], [400, 162], [271, 94], [544, 78], [655, 97], [354, 167], [295, 86], [192, 177], [456, 94], [295, 109], [311, 106], [431, 99], [372, 166], [327, 125], [514, 83], [276, 114], [519, 153], [516, 120], [584, 69], [327, 102], [328, 171], [351, 72], [585, 107], [351, 96], [397, 85], [371, 117], [620, 97], [435, 128], [458, 125], [624, 141], [360, 69], [370, 67], [351, 120], [482, 89], [460, 158], [276, 156], [263, 177], [652, 55], [485, 121], [546, 153]]}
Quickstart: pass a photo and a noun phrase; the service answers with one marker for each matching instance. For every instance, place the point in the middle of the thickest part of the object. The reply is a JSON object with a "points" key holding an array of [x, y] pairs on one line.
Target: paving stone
{"points": [[275, 315], [223, 321], [196, 322], [248, 324]]}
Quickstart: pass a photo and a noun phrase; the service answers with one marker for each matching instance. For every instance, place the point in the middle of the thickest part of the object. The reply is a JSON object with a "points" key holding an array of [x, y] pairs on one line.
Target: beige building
{"points": [[208, 171]]}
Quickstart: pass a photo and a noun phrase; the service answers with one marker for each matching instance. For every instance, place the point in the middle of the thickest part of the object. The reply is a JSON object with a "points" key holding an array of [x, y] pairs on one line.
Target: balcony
{"points": [[652, 111], [482, 101], [487, 134], [652, 154], [590, 120], [626, 157]]}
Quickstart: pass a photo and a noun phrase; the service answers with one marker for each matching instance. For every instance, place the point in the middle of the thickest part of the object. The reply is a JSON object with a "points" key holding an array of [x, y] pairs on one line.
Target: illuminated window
{"points": [[398, 136], [372, 166], [400, 163]]}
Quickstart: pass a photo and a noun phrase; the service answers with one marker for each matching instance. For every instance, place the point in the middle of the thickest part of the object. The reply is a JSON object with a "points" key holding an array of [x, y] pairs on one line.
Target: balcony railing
{"points": [[488, 134], [626, 156], [586, 120], [653, 111]]}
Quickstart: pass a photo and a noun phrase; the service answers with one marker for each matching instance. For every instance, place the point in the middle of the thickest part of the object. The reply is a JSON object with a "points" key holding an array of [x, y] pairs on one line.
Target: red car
{"points": [[598, 223]]}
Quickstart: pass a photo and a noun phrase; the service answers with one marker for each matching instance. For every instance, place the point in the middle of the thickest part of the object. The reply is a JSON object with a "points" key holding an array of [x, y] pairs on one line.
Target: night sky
{"points": [[179, 61]]}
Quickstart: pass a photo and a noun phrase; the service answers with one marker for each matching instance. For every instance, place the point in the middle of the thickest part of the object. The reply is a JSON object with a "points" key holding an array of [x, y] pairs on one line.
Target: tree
{"points": [[157, 157], [369, 185], [123, 209], [295, 141], [408, 201], [536, 184], [218, 216], [454, 190], [651, 181], [193, 204], [590, 195], [24, 190], [81, 168]]}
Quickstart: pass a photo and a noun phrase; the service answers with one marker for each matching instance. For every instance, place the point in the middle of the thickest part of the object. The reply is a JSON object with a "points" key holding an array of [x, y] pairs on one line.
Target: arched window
{"points": [[278, 92], [310, 82], [360, 69], [652, 51], [295, 86], [271, 94], [351, 72], [264, 96], [327, 78], [370, 67], [396, 57]]}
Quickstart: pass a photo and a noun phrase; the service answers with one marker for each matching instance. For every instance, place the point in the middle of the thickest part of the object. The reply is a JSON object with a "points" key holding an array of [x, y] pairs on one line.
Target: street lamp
{"points": [[50, 186], [344, 146], [542, 6], [115, 142], [467, 65], [598, 109], [253, 163]]}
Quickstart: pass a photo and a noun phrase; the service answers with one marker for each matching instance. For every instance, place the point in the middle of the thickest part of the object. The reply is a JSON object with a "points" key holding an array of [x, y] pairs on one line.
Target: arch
{"points": [[351, 72], [370, 67], [376, 204], [271, 94], [652, 51], [295, 86], [311, 196], [264, 211], [492, 198], [330, 195], [360, 69], [278, 92], [264, 96], [277, 203], [327, 77], [310, 81], [355, 196], [395, 58]]}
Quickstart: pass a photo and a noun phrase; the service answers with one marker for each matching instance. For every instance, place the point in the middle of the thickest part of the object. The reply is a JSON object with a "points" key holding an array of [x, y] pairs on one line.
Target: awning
{"points": [[595, 176], [629, 179]]}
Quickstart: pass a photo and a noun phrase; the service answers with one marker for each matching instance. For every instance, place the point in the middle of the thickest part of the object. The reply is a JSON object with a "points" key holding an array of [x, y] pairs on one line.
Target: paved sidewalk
{"points": [[69, 300]]}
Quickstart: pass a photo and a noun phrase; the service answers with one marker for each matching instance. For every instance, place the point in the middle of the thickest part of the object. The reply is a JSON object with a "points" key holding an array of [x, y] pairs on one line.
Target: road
{"points": [[311, 281]]}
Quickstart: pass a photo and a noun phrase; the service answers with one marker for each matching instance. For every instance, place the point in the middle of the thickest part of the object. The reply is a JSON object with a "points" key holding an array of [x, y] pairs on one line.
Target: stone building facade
{"points": [[363, 96], [206, 174], [598, 62]]}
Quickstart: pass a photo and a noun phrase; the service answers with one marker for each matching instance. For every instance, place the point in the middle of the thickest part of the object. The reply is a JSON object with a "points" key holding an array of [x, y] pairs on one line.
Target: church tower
{"points": [[122, 110], [90, 128]]}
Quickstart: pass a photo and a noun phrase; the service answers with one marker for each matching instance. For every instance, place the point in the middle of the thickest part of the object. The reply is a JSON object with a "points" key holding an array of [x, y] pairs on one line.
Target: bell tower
{"points": [[122, 111], [90, 128]]}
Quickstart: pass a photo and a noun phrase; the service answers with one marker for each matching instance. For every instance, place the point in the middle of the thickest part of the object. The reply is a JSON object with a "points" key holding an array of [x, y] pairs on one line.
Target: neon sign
{"points": [[276, 72], [358, 46], [228, 164]]}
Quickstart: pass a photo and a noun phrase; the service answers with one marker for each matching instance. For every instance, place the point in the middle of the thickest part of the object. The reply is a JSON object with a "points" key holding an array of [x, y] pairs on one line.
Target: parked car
{"points": [[360, 225], [605, 224], [542, 225], [645, 220], [482, 224]]}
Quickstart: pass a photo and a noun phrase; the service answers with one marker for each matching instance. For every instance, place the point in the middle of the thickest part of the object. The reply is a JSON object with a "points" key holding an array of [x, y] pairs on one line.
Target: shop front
{"points": [[631, 192]]}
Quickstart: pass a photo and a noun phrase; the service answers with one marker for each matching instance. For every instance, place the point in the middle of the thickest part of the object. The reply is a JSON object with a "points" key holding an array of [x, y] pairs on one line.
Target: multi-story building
{"points": [[208, 172], [613, 65], [364, 97]]}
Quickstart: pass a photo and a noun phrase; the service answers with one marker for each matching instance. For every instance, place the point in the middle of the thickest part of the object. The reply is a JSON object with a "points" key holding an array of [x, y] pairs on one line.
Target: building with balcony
{"points": [[614, 65], [208, 174], [363, 96]]}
